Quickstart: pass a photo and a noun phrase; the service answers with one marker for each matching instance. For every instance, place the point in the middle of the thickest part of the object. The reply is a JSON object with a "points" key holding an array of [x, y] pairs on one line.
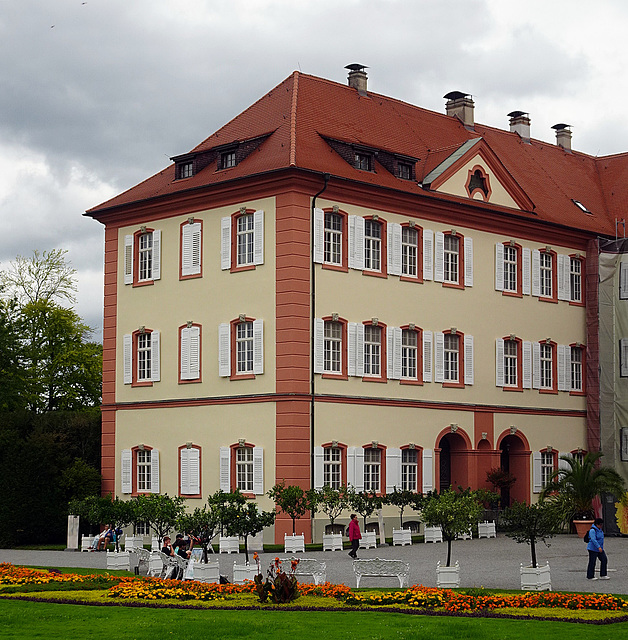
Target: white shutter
{"points": [[499, 267], [184, 468], [225, 469], [195, 353], [427, 356], [128, 259], [428, 254], [319, 235], [225, 243], [527, 365], [536, 272], [156, 254], [351, 348], [393, 354], [394, 248], [258, 347], [537, 485], [536, 365], [439, 269], [154, 471], [359, 469], [319, 345], [564, 268], [191, 249], [356, 242], [184, 355], [499, 362], [623, 357], [318, 467], [155, 357], [351, 467], [439, 356], [468, 262], [224, 350], [359, 350], [564, 365], [397, 358], [428, 466], [468, 359], [127, 356], [258, 237], [126, 465], [525, 271], [623, 280], [258, 471], [393, 470], [195, 471]]}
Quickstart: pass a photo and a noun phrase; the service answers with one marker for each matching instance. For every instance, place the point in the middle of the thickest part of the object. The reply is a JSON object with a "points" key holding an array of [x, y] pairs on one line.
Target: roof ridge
{"points": [[293, 119]]}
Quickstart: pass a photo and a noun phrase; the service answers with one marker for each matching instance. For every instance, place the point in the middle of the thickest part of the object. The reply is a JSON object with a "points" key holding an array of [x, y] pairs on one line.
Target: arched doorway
{"points": [[515, 460], [454, 461]]}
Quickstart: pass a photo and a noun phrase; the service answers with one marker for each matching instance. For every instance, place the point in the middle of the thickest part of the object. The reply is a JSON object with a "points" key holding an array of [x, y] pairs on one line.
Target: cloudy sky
{"points": [[97, 95]]}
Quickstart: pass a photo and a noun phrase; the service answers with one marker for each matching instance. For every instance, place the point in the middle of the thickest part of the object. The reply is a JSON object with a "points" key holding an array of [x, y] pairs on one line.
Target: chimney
{"points": [[357, 77], [563, 136], [520, 123], [460, 105]]}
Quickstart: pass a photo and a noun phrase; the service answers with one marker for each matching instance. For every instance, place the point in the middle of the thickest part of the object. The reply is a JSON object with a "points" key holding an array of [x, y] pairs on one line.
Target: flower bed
{"points": [[15, 575]]}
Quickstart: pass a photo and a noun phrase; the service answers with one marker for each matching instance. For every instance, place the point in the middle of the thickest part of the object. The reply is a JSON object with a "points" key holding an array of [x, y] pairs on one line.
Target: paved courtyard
{"points": [[492, 563]]}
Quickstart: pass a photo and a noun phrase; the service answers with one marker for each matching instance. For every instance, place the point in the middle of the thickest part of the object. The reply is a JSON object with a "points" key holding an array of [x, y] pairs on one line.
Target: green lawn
{"points": [[51, 621]]}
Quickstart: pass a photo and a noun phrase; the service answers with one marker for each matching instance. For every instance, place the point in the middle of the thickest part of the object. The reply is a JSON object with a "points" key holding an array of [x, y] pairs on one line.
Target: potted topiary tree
{"points": [[365, 503], [332, 502], [531, 523], [575, 485], [293, 500], [455, 512]]}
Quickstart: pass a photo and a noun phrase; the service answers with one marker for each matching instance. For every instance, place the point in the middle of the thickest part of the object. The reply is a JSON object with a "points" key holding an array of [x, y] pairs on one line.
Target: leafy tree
{"points": [[242, 518], [402, 499], [11, 374], [205, 523], [455, 512], [364, 503], [292, 500], [531, 523], [332, 502], [81, 480], [162, 513], [117, 513]]}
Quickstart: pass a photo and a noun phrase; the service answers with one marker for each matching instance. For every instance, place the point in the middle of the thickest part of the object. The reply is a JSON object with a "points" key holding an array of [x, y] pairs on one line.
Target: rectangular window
{"points": [[227, 159], [186, 170], [546, 366], [404, 170], [245, 239], [409, 252], [372, 469], [372, 245], [576, 369], [409, 352], [332, 457], [546, 272], [144, 354], [510, 268], [451, 258], [451, 358], [244, 469], [547, 466], [244, 347], [333, 239], [363, 161], [409, 468], [372, 351], [575, 280], [333, 348], [145, 256], [143, 470], [510, 363]]}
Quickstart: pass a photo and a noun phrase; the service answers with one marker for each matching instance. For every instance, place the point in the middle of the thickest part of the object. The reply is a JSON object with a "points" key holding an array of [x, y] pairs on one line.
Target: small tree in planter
{"points": [[332, 502], [118, 513], [242, 518], [292, 500], [454, 512], [162, 513], [364, 503], [402, 499], [203, 524], [532, 523]]}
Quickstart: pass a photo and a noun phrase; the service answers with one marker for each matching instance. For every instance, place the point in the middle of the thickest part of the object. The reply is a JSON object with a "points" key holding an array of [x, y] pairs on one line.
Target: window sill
{"points": [[190, 495], [515, 389], [334, 376], [374, 274], [243, 267], [578, 393], [192, 276], [195, 381], [335, 267], [553, 392], [574, 303], [512, 294], [415, 383], [143, 283], [147, 383], [374, 379], [416, 279], [453, 385], [453, 285], [242, 376], [550, 300]]}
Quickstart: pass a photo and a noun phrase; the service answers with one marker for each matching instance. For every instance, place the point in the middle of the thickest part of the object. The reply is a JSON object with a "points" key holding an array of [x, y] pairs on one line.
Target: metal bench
{"points": [[308, 567], [379, 568]]}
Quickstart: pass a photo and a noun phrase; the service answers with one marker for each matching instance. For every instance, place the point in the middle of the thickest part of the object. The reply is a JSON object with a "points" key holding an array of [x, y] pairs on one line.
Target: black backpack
{"points": [[587, 537]]}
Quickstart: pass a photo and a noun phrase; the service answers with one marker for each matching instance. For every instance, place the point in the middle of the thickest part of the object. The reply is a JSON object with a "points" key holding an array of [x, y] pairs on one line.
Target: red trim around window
{"points": [[234, 352], [460, 283], [343, 460], [200, 355], [233, 476], [519, 292], [135, 491], [344, 242], [234, 242], [195, 275], [382, 466], [581, 302], [419, 465], [136, 259], [419, 254], [554, 297], [460, 383], [519, 385], [343, 375], [485, 197], [383, 272], [200, 472], [554, 388], [419, 357], [583, 351], [382, 365], [134, 380]]}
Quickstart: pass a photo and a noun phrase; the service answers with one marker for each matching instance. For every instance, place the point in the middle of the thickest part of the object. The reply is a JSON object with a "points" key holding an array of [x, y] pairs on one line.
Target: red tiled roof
{"points": [[303, 110]]}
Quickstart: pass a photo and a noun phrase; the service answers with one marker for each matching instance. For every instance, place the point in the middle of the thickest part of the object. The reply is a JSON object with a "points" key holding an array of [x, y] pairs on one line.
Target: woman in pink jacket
{"points": [[354, 536]]}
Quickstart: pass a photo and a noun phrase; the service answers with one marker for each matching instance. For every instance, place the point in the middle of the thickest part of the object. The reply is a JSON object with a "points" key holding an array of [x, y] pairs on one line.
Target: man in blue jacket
{"points": [[595, 547]]}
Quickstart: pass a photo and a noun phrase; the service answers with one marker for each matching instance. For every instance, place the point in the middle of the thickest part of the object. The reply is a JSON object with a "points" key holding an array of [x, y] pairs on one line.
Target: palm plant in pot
{"points": [[578, 482]]}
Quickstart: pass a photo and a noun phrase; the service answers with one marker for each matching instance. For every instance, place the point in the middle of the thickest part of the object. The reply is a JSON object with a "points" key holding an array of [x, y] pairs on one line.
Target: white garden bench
{"points": [[141, 558], [307, 567], [368, 540], [229, 544], [379, 568], [433, 534], [486, 529], [293, 544], [174, 567], [402, 537]]}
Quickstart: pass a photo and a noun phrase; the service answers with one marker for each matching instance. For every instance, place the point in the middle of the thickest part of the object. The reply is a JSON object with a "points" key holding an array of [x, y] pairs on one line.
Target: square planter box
{"points": [[133, 542], [229, 544], [486, 530], [402, 537], [368, 540], [433, 534], [332, 542], [447, 577], [118, 561], [201, 572], [242, 572], [293, 544], [536, 579]]}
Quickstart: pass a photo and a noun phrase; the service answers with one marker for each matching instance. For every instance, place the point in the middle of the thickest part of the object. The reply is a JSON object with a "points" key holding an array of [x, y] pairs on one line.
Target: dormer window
{"points": [[404, 170], [363, 161], [186, 170], [227, 159]]}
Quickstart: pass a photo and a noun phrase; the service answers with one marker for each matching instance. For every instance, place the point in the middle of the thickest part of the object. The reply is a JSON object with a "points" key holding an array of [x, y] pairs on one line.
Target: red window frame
{"points": [[233, 465], [136, 259], [235, 267], [519, 253], [460, 283], [579, 258], [583, 351], [419, 356], [419, 466], [200, 355], [343, 460], [519, 343], [383, 272], [344, 242], [383, 377], [460, 383], [419, 253], [134, 490], [343, 375], [135, 381], [554, 387], [194, 275], [382, 467], [233, 332], [554, 296]]}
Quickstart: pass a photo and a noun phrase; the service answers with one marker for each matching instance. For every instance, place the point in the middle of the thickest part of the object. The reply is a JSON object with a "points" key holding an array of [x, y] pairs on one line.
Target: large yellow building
{"points": [[339, 287]]}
